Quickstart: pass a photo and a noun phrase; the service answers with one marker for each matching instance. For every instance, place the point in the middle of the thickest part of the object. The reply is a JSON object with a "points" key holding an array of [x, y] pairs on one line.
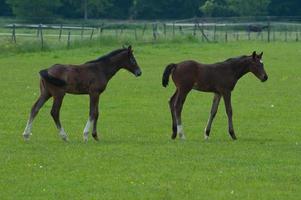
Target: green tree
{"points": [[96, 8], [119, 9], [216, 8], [5, 10], [38, 10], [285, 8], [249, 7], [157, 9]]}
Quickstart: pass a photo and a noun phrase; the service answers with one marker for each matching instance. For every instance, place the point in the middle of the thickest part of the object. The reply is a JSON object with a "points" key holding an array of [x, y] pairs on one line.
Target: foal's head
{"points": [[256, 66], [129, 62]]}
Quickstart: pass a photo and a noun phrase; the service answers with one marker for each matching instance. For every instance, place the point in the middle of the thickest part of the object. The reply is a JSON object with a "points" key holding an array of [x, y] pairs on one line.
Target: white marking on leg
{"points": [[27, 131], [63, 134], [205, 135], [180, 132], [261, 61], [87, 129]]}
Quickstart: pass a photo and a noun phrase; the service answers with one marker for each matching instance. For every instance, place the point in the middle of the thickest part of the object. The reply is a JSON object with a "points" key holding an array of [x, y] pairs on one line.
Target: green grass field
{"points": [[136, 159]]}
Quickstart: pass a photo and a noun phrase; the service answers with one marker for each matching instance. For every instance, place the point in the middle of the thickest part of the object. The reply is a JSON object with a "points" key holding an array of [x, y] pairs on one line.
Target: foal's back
{"points": [[203, 77]]}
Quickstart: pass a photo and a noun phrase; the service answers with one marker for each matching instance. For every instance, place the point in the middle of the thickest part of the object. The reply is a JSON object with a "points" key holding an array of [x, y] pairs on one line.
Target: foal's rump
{"points": [[51, 79], [166, 74], [184, 73]]}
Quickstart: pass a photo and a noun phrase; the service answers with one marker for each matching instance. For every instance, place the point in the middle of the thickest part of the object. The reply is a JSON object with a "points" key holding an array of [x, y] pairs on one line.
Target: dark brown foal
{"points": [[89, 78], [219, 78]]}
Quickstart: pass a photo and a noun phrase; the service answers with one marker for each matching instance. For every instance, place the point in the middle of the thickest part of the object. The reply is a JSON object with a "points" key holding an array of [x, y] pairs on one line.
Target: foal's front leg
{"points": [[93, 116], [227, 100]]}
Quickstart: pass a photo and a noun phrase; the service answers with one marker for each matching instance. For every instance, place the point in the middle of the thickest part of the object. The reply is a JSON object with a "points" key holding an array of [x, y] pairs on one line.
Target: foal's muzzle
{"points": [[265, 78], [138, 72]]}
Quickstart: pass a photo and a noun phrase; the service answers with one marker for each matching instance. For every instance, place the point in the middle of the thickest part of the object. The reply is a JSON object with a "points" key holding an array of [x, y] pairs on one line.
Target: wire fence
{"points": [[268, 29]]}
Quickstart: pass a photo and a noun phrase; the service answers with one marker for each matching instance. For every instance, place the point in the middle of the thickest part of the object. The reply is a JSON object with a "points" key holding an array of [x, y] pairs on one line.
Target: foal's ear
{"points": [[254, 54], [260, 55]]}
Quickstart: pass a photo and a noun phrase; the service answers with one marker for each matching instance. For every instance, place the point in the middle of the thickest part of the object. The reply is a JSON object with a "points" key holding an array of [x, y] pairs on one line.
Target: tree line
{"points": [[39, 10]]}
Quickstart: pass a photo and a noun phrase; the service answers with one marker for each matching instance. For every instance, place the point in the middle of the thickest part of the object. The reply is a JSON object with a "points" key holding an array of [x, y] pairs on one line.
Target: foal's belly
{"points": [[205, 86], [77, 88]]}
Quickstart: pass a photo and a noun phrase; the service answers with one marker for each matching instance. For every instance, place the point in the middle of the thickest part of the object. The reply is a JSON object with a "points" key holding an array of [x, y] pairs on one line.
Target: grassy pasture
{"points": [[135, 158]]}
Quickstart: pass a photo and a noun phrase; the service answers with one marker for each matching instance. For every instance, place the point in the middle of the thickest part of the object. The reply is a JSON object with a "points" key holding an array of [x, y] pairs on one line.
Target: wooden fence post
{"points": [[144, 29], [285, 35], [203, 34], [14, 34], [214, 33], [173, 29], [194, 29], [41, 35], [136, 36], [38, 30], [269, 31], [121, 30], [155, 31], [60, 33], [68, 41], [91, 36], [181, 30], [82, 32], [101, 29]]}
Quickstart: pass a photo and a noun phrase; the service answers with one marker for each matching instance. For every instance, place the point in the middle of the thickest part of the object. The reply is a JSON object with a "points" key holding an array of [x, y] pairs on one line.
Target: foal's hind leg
{"points": [[94, 100], [214, 108], [34, 111], [179, 102], [55, 113], [173, 112]]}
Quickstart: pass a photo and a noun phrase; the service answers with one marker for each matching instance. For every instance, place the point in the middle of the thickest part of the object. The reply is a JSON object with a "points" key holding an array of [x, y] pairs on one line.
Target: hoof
{"points": [[65, 139], [26, 137], [95, 137], [206, 137], [234, 137], [85, 136], [173, 136], [182, 136]]}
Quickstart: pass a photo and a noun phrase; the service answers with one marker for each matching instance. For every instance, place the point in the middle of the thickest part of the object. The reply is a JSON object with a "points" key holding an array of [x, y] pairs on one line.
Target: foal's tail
{"points": [[50, 79], [166, 74]]}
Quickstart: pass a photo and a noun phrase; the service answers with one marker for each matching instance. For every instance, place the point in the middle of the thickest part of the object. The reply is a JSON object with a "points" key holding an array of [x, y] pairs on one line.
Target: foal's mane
{"points": [[231, 60], [107, 56]]}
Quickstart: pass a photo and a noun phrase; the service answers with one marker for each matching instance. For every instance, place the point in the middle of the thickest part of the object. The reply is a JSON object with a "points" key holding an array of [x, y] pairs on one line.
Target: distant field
{"points": [[136, 158]]}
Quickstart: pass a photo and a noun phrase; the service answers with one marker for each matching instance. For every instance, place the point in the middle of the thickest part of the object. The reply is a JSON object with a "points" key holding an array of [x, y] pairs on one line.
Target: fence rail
{"points": [[203, 29]]}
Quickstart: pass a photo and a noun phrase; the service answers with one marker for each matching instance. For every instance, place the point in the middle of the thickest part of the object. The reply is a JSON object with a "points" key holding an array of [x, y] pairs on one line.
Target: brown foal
{"points": [[89, 78], [219, 78]]}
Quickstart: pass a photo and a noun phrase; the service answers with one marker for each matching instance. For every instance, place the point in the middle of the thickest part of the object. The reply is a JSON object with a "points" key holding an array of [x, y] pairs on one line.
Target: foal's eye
{"points": [[132, 60]]}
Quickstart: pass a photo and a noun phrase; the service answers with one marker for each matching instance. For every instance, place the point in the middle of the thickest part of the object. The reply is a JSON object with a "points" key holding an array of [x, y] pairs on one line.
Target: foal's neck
{"points": [[111, 67], [241, 68]]}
